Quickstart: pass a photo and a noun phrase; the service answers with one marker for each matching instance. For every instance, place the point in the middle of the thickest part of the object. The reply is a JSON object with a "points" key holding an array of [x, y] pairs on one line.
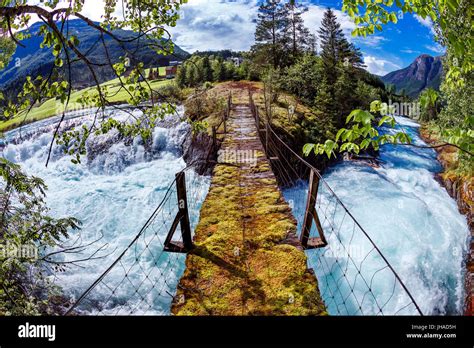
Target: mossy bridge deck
{"points": [[247, 259]]}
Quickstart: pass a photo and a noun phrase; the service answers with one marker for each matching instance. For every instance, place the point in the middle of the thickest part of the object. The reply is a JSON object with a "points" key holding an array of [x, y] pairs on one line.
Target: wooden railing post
{"points": [[182, 218], [226, 113], [183, 208], [267, 134], [310, 215], [257, 117], [214, 138]]}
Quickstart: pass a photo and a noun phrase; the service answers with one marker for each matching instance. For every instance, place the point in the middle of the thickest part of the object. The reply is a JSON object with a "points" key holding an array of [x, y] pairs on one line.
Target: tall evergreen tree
{"points": [[345, 97], [332, 43], [340, 59], [312, 44], [181, 76], [325, 99], [219, 70], [297, 36], [207, 70], [348, 53], [268, 34], [335, 49], [191, 75]]}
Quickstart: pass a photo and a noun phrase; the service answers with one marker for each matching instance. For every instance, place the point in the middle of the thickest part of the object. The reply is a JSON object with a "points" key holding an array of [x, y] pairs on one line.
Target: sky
{"points": [[230, 24]]}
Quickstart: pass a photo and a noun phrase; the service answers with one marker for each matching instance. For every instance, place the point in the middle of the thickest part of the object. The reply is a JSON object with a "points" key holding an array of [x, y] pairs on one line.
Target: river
{"points": [[409, 216], [404, 209]]}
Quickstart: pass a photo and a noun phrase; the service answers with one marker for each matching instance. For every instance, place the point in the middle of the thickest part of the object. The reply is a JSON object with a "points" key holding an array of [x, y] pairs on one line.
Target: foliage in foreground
{"points": [[27, 233]]}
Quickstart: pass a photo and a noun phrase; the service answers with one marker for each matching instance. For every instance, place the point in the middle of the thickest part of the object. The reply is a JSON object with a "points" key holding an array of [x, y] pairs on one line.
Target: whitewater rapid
{"points": [[410, 217], [113, 192]]}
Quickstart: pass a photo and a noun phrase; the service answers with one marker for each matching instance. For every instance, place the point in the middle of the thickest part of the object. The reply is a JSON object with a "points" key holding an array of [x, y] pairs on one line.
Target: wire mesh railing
{"points": [[354, 276], [143, 279]]}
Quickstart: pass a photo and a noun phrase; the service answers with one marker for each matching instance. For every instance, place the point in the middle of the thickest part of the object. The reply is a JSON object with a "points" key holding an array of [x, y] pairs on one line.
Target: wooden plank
{"points": [[182, 218], [214, 138], [319, 227], [183, 207], [169, 237], [314, 243], [310, 207]]}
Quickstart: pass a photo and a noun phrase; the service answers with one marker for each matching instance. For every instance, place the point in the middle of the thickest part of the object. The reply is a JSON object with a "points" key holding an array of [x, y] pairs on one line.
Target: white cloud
{"points": [[379, 66], [372, 41], [437, 48], [409, 51], [215, 24], [426, 22]]}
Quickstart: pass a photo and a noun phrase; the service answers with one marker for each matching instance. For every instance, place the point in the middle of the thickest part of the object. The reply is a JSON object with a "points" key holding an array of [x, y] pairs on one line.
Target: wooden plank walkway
{"points": [[247, 259]]}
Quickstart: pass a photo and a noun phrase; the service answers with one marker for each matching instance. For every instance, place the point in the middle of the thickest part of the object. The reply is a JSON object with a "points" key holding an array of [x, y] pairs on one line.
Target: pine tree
{"points": [[268, 34], [344, 94], [332, 42], [340, 58], [219, 70], [325, 100], [207, 70], [312, 44], [191, 75], [297, 37], [181, 76], [348, 53]]}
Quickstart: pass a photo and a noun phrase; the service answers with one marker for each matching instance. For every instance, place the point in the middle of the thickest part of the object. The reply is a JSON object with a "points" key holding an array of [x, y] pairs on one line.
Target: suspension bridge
{"points": [[269, 237]]}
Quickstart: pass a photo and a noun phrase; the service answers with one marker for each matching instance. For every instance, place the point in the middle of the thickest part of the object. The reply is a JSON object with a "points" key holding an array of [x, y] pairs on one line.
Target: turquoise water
{"points": [[410, 217]]}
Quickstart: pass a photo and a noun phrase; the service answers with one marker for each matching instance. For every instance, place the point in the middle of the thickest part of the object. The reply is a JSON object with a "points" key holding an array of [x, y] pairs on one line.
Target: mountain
{"points": [[32, 60], [425, 72]]}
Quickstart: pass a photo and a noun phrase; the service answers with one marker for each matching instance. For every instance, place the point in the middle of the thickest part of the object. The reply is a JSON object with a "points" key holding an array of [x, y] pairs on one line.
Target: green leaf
{"points": [[375, 106], [308, 148], [385, 119], [339, 133]]}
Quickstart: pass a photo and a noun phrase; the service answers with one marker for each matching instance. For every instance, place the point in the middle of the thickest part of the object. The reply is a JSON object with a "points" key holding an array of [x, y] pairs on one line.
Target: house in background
{"points": [[236, 60], [171, 71]]}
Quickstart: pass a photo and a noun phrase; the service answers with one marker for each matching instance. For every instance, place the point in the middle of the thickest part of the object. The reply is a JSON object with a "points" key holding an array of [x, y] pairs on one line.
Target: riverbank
{"points": [[460, 188]]}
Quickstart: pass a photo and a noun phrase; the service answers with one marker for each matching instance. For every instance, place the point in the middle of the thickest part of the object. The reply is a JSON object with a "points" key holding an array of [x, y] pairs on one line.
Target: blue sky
{"points": [[230, 24], [220, 24]]}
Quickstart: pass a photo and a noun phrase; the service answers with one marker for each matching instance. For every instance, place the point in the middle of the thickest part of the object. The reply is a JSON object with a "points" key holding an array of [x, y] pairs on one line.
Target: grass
{"points": [[52, 107]]}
